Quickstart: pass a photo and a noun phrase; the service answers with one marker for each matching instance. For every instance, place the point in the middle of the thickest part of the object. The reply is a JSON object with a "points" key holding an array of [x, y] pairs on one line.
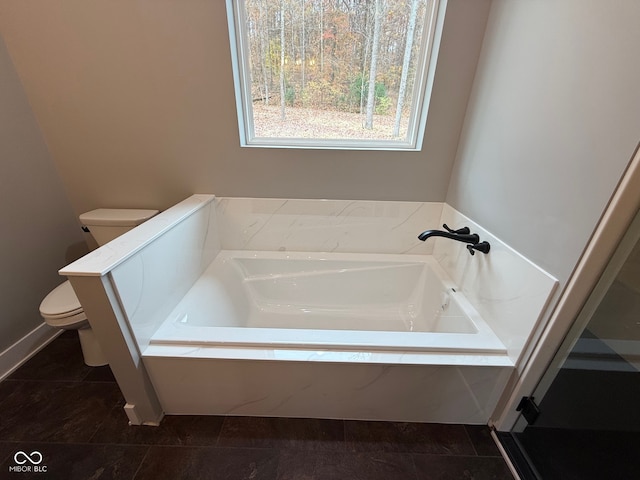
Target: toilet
{"points": [[61, 307]]}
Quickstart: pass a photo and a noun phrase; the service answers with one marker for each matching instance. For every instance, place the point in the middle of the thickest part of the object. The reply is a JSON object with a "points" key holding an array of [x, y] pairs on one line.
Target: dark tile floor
{"points": [[72, 415]]}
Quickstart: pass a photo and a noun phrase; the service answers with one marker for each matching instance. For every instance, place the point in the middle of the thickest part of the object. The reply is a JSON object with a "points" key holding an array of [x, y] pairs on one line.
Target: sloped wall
{"points": [[38, 226]]}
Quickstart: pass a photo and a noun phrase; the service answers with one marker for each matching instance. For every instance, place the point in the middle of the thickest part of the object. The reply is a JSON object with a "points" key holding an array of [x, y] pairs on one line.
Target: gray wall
{"points": [[38, 227], [553, 120], [136, 102]]}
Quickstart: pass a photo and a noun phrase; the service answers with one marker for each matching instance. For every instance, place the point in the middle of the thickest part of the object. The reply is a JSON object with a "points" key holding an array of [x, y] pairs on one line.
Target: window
{"points": [[346, 74]]}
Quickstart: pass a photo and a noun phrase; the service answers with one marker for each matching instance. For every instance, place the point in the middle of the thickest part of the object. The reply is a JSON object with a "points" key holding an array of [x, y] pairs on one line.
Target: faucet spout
{"points": [[460, 237]]}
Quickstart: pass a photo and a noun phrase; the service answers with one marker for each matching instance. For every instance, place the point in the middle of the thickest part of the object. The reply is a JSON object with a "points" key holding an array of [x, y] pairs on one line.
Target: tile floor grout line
{"points": [[473, 445], [344, 436], [224, 420], [102, 422], [144, 457], [415, 467]]}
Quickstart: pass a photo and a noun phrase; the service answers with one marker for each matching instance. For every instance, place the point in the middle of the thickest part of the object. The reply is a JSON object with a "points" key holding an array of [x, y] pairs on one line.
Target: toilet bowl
{"points": [[61, 307]]}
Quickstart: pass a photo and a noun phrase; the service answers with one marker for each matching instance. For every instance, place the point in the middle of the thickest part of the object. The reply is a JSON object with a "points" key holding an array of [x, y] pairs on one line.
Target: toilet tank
{"points": [[105, 224]]}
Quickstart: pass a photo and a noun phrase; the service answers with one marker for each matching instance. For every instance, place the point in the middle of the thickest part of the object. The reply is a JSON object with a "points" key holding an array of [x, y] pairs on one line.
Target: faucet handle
{"points": [[460, 231], [483, 247]]}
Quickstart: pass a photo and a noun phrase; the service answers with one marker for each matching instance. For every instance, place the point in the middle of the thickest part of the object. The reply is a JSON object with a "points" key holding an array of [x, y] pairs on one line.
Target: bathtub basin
{"points": [[327, 300]]}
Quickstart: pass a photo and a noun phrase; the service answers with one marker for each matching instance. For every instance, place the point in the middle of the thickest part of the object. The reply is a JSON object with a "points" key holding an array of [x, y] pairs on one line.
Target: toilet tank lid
{"points": [[123, 217]]}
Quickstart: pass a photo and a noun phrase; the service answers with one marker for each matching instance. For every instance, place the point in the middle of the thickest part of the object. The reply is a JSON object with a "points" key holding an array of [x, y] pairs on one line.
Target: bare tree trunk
{"points": [[304, 47], [366, 43], [321, 36], [362, 83], [263, 54], [374, 65], [405, 66], [282, 99]]}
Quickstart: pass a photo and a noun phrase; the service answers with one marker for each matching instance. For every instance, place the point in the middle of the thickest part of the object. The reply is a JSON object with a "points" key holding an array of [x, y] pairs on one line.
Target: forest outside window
{"points": [[347, 74]]}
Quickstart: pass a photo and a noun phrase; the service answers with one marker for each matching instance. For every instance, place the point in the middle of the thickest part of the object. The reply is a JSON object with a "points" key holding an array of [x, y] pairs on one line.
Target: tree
{"points": [[262, 32], [375, 46], [303, 49], [322, 36], [405, 65], [282, 96], [347, 55]]}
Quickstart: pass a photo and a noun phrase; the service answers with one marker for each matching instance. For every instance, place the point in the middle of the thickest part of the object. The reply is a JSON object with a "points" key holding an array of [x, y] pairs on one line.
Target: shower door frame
{"points": [[613, 225]]}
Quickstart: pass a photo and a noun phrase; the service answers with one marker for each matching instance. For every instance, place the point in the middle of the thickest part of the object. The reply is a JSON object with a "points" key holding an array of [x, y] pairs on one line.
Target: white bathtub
{"points": [[327, 335], [212, 308], [327, 300]]}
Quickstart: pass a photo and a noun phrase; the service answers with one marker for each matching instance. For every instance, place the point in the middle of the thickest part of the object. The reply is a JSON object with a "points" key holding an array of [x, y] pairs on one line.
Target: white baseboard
{"points": [[25, 348]]}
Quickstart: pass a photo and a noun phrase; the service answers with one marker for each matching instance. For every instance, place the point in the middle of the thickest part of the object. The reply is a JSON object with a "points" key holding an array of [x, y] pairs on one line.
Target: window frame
{"points": [[421, 98]]}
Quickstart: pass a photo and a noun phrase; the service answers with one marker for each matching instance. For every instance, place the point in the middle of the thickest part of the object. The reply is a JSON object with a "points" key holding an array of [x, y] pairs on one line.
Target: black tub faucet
{"points": [[460, 235]]}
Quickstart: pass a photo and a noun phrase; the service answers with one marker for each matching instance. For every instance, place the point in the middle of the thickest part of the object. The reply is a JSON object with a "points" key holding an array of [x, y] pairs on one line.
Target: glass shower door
{"points": [[587, 422]]}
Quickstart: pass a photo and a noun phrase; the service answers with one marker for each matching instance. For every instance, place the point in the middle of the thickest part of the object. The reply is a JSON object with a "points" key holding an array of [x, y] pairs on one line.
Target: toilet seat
{"points": [[67, 322], [61, 308]]}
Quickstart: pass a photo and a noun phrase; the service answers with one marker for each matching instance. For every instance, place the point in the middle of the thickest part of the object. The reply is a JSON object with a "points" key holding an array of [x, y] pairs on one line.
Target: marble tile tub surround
{"points": [[104, 259], [507, 289], [510, 292], [152, 282], [351, 389], [154, 265], [325, 225]]}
